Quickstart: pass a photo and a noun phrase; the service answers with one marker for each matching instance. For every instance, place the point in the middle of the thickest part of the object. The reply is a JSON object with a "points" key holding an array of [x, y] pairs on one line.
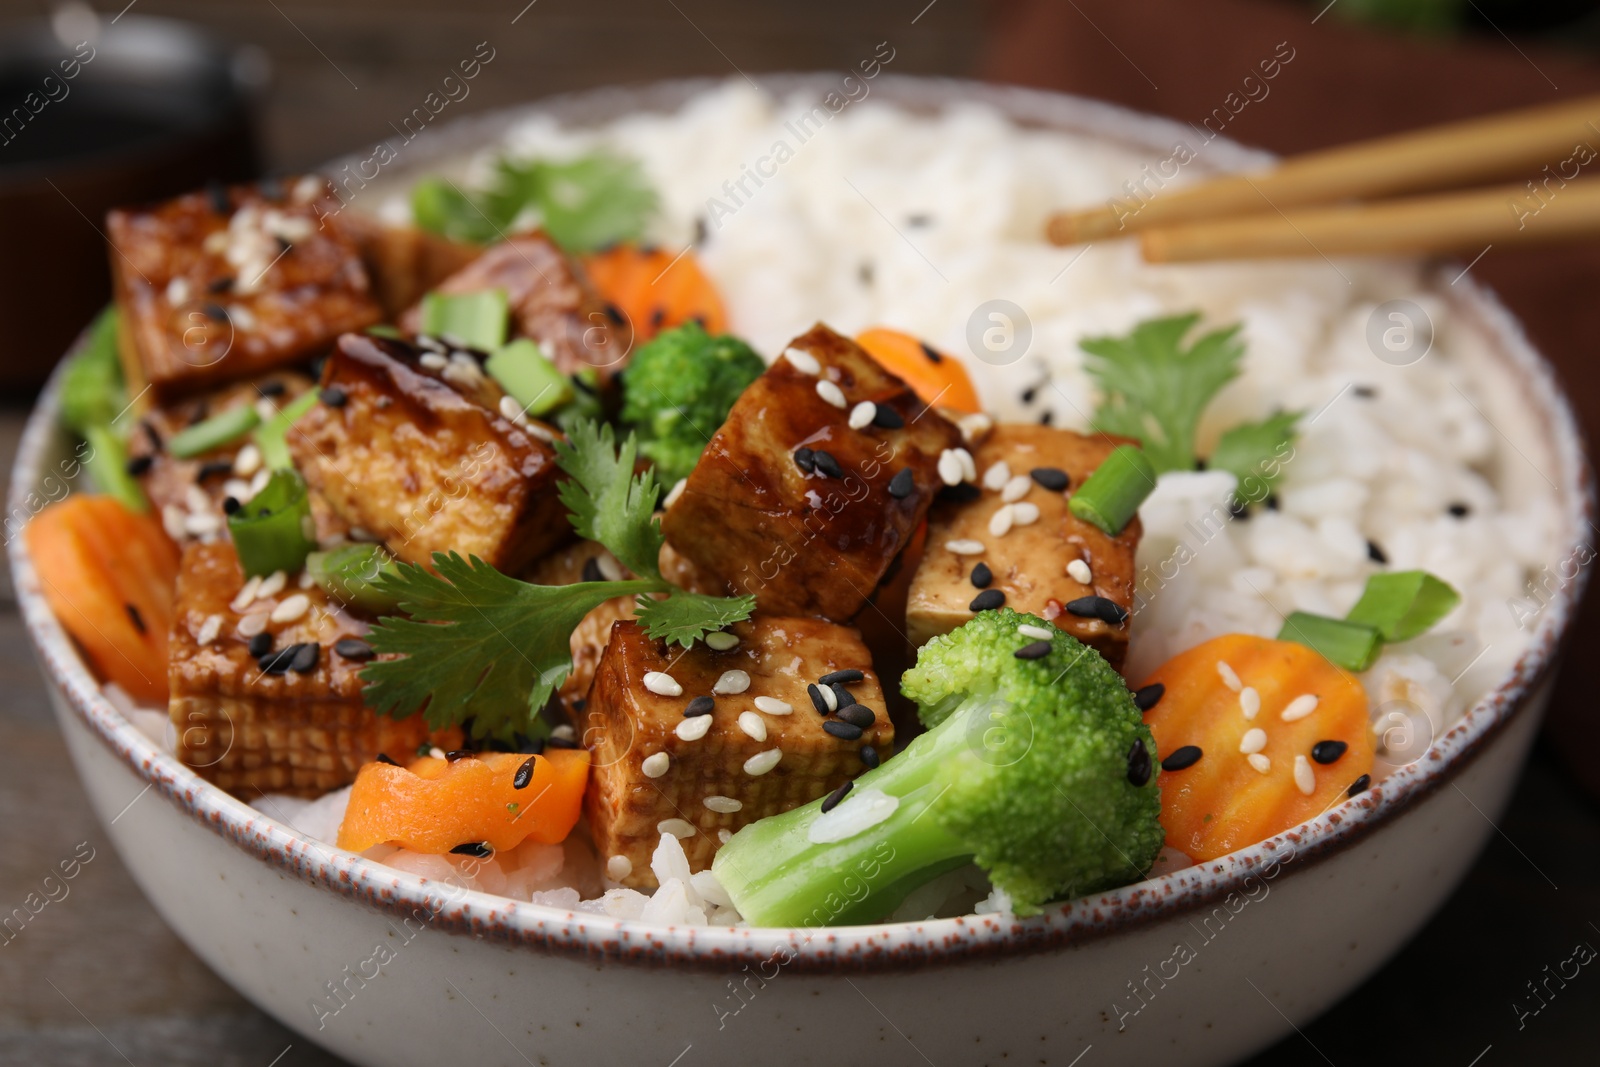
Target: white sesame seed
{"points": [[1304, 779], [534, 429], [1249, 702], [831, 393], [997, 475], [431, 343], [436, 752], [1299, 708], [676, 827], [618, 868], [1079, 572], [862, 414], [259, 482], [511, 410], [177, 291], [307, 580], [773, 706], [721, 640], [802, 361], [676, 491], [292, 608], [1000, 521], [829, 697], [950, 469], [611, 571], [969, 466], [248, 461], [237, 488], [309, 188], [662, 685], [208, 630], [693, 729], [216, 241], [251, 625], [1016, 488], [965, 547], [433, 361], [1038, 633], [246, 595], [202, 524], [266, 409], [753, 725], [1230, 677], [242, 317], [723, 805], [196, 499], [734, 681], [1023, 513], [974, 427], [564, 732], [172, 517], [1254, 740], [1259, 762], [724, 836], [762, 762], [271, 585], [655, 765]]}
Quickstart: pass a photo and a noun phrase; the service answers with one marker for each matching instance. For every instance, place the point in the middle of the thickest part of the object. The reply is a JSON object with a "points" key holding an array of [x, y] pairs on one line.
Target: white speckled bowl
{"points": [[389, 969]]}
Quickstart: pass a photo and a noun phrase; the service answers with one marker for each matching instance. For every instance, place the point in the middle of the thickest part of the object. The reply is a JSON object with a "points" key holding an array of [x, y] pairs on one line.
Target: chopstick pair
{"points": [[1332, 202]]}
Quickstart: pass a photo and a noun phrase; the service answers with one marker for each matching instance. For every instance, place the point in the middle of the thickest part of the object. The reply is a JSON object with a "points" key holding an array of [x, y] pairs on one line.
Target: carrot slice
{"points": [[109, 575], [435, 805], [655, 290], [935, 377], [1221, 802]]}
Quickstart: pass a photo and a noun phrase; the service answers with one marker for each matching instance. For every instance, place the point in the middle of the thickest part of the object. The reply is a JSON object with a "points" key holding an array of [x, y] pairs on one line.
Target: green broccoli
{"points": [[1036, 765], [92, 397], [679, 388]]}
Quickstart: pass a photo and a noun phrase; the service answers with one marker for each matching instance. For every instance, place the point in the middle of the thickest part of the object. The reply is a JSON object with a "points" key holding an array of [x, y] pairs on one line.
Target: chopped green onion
{"points": [[1402, 604], [1351, 645], [477, 319], [349, 574], [214, 432], [528, 375], [271, 435], [383, 329], [93, 398], [1110, 497], [274, 531], [108, 465]]}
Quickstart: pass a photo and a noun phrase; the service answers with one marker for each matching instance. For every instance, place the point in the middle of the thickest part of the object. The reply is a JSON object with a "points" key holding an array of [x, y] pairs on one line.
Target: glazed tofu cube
{"points": [[584, 561], [414, 450], [222, 285], [290, 720], [792, 504], [1043, 559], [551, 301], [762, 749], [403, 262]]}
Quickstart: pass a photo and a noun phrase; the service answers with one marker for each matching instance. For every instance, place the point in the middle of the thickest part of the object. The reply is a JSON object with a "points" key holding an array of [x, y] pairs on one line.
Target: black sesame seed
{"points": [[919, 220], [901, 485], [139, 465], [260, 644], [213, 469], [220, 285], [560, 742], [230, 504], [1046, 418], [135, 618], [1459, 510], [864, 272], [284, 245], [933, 355], [1138, 763], [214, 312], [700, 230], [614, 313], [1148, 697], [827, 465], [381, 758], [1359, 786], [700, 705], [887, 418], [591, 570], [1239, 508], [272, 388], [805, 459], [305, 657], [457, 754], [1328, 751], [858, 715], [831, 801], [842, 697], [657, 317], [869, 756], [1272, 501], [817, 700], [1030, 394], [353, 648], [987, 600], [151, 432], [1365, 392], [844, 677], [1178, 759], [1098, 607], [476, 849], [1052, 478], [1199, 464], [278, 662], [524, 774], [981, 576], [842, 730], [962, 493], [333, 396], [1376, 554], [1034, 650], [579, 703], [218, 195]]}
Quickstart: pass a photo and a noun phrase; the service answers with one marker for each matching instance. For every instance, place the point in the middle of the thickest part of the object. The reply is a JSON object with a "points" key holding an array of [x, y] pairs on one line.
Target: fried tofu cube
{"points": [[404, 262], [813, 533], [584, 561], [1033, 561], [552, 303], [302, 729], [222, 285], [416, 452], [761, 750]]}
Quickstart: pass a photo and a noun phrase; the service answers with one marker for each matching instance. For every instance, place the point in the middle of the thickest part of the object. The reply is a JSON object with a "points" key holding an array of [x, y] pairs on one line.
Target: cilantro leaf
{"points": [[438, 206], [685, 617], [493, 649], [608, 502], [1154, 390], [583, 204], [1254, 453]]}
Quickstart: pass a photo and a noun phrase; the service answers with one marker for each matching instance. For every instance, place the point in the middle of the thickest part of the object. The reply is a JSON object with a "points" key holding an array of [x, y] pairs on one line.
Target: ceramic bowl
{"points": [[386, 968]]}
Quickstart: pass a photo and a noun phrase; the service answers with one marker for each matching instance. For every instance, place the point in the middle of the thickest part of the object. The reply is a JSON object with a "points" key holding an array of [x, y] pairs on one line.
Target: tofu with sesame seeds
{"points": [[418, 453], [763, 746], [299, 725], [791, 504], [404, 262], [221, 285], [1035, 552]]}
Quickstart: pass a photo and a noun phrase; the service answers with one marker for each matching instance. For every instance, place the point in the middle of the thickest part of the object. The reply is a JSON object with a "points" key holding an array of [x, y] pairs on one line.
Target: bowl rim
{"points": [[855, 949]]}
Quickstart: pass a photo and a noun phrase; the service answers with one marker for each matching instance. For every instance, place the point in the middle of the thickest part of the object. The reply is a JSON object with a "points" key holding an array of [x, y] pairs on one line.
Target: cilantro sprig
{"points": [[483, 646]]}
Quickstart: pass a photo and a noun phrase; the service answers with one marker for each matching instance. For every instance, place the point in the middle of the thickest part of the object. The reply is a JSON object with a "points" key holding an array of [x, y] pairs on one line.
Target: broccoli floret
{"points": [[678, 390], [1040, 770]]}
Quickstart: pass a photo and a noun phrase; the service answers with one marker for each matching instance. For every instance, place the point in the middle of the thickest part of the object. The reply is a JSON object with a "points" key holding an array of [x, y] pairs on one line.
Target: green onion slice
{"points": [[272, 434], [529, 377], [218, 430], [1403, 604], [1110, 497], [383, 329], [274, 531], [477, 319], [1351, 645], [349, 574]]}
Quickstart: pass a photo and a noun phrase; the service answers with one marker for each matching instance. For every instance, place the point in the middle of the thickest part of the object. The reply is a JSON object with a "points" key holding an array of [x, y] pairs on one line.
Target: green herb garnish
{"points": [[1351, 645], [273, 531], [1110, 497], [478, 319], [214, 432], [271, 437], [529, 377], [92, 399], [1395, 606]]}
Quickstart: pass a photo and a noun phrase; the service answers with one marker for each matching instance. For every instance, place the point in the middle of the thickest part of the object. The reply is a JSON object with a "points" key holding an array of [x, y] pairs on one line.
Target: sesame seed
{"points": [[822, 699], [858, 715], [1052, 478], [260, 644], [1038, 633], [831, 801], [974, 427], [964, 547], [1098, 607], [831, 393], [564, 732], [662, 685], [524, 774], [1035, 650], [1138, 763], [1148, 697], [847, 676], [305, 657], [842, 697], [1230, 677], [826, 464], [247, 595], [610, 569], [844, 731], [969, 466], [386, 759], [202, 524], [272, 585], [476, 849], [292, 608], [1459, 510], [962, 493], [901, 485], [676, 827], [981, 576], [1304, 779], [701, 705], [1259, 762], [675, 492], [1254, 740], [773, 706], [724, 836], [435, 752], [655, 765], [333, 396], [1249, 702], [139, 465], [721, 640], [1328, 751], [950, 469], [618, 868], [1359, 786], [862, 414], [887, 418], [1299, 707], [753, 725], [805, 459], [723, 805], [1181, 758], [1000, 521], [869, 756], [432, 360], [762, 762], [205, 635], [997, 476], [510, 409], [693, 729], [730, 682], [248, 461], [802, 361], [1024, 513], [987, 600], [1016, 488], [252, 624], [1376, 554], [1079, 572]]}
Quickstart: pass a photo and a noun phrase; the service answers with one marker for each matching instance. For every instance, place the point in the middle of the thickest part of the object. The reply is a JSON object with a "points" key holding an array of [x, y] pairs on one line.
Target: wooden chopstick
{"points": [[1514, 143], [1451, 222]]}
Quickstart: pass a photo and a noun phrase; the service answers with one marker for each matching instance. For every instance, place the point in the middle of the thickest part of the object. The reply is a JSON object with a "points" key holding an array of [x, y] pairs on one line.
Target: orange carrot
{"points": [[654, 290], [935, 377], [109, 574], [435, 805], [1221, 802]]}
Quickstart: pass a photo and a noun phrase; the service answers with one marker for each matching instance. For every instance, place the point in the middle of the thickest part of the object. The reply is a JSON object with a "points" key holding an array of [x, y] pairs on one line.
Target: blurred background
{"points": [[235, 88]]}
